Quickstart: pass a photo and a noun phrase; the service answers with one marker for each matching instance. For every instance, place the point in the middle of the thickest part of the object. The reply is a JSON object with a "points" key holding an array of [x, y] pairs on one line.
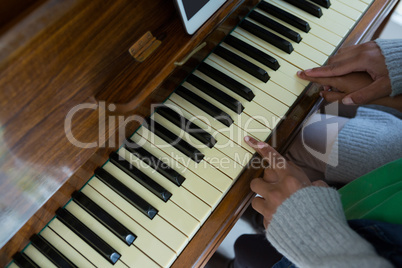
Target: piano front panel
{"points": [[209, 172]]}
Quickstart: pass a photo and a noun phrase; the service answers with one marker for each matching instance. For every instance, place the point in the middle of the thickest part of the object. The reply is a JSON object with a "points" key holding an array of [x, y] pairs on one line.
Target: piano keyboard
{"points": [[146, 203]]}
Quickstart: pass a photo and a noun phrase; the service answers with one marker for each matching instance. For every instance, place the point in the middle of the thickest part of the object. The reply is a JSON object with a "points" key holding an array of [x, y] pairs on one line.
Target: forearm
{"points": [[310, 229], [392, 51]]}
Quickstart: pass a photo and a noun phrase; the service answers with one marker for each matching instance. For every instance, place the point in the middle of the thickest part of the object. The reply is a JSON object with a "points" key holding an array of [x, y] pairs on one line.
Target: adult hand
{"points": [[281, 179], [341, 86], [367, 58]]}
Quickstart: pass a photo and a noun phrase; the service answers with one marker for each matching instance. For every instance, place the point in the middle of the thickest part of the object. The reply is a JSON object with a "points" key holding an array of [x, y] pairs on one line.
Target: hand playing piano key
{"points": [[367, 58], [280, 180], [340, 86]]}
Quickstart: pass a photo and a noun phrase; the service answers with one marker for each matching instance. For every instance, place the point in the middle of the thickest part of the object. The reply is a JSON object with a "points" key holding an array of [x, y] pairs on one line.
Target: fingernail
{"points": [[321, 93], [247, 139], [299, 73], [347, 101], [307, 71], [261, 145]]}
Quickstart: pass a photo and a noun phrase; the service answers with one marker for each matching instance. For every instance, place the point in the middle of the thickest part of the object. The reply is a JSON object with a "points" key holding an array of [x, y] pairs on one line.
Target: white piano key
{"points": [[167, 210], [156, 234], [323, 33], [261, 134], [356, 4], [346, 10], [223, 152], [242, 120], [309, 38], [330, 19], [301, 48], [292, 85], [325, 22], [37, 257], [195, 184], [271, 89], [260, 119], [130, 255], [13, 265], [334, 16], [67, 250], [180, 196], [286, 70], [285, 76], [366, 1], [204, 169], [295, 59], [229, 139], [81, 246], [210, 154], [260, 101]]}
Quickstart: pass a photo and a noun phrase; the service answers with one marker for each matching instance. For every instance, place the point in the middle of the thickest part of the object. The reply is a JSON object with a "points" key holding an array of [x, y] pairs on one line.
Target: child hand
{"points": [[281, 179]]}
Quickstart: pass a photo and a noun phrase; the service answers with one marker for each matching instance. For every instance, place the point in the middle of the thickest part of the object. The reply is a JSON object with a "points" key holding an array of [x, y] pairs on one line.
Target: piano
{"points": [[109, 159]]}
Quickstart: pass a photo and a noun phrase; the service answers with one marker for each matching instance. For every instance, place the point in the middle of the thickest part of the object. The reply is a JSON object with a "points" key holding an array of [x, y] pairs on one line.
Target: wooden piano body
{"points": [[57, 54]]}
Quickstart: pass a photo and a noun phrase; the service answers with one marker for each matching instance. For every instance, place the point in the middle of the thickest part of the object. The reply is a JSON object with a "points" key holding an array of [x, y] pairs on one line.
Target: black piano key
{"points": [[105, 218], [154, 162], [252, 52], [306, 6], [51, 253], [88, 236], [277, 27], [323, 3], [140, 177], [227, 81], [186, 125], [126, 193], [204, 105], [285, 16], [216, 93], [242, 63], [267, 36], [24, 261], [174, 140]]}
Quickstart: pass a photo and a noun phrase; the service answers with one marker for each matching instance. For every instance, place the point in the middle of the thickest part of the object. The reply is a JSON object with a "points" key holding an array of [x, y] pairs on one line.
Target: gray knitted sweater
{"points": [[310, 228], [371, 130]]}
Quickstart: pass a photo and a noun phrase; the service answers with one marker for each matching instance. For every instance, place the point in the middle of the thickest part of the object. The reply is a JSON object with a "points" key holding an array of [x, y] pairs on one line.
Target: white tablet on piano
{"points": [[195, 12]]}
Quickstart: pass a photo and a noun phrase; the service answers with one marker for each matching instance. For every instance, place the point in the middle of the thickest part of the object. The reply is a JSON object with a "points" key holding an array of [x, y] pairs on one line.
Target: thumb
{"points": [[378, 89], [331, 96], [320, 183]]}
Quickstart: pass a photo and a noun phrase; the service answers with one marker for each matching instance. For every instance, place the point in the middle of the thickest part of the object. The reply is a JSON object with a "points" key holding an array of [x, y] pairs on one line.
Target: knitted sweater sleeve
{"points": [[392, 51], [310, 229]]}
